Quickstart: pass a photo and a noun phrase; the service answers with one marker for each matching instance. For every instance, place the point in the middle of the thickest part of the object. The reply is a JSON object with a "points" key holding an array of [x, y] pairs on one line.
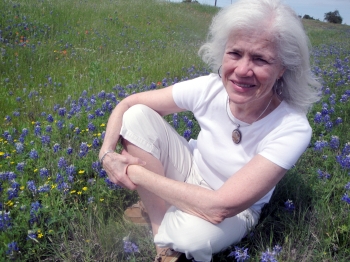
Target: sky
{"points": [[313, 8]]}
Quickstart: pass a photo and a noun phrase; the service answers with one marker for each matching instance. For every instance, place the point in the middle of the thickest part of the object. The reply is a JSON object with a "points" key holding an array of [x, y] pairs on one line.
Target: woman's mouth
{"points": [[242, 85]]}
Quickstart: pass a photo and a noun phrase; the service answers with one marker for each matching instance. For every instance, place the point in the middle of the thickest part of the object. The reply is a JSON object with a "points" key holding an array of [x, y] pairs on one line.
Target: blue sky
{"points": [[314, 8]]}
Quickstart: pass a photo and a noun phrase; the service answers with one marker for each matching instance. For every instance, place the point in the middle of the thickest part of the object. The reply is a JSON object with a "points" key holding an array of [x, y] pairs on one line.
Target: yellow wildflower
{"points": [[102, 199], [103, 124], [40, 235], [85, 188], [81, 172], [2, 153], [53, 186], [35, 170], [22, 188], [79, 192], [73, 191]]}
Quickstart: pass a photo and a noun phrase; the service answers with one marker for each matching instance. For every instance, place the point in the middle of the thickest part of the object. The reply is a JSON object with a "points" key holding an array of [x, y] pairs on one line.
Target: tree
{"points": [[308, 17], [333, 17]]}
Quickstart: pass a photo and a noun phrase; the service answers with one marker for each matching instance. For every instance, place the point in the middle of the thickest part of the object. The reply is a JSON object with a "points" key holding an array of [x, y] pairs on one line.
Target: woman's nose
{"points": [[244, 67]]}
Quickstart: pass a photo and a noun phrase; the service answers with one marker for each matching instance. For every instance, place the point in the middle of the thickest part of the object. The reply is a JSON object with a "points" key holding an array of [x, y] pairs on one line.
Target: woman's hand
{"points": [[116, 165]]}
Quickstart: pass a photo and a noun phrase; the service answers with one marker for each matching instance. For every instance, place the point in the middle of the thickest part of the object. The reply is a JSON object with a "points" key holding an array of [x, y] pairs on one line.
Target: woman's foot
{"points": [[137, 215], [168, 255]]}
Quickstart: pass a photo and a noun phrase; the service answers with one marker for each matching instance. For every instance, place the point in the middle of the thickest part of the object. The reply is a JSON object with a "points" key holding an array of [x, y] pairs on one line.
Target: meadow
{"points": [[64, 66]]}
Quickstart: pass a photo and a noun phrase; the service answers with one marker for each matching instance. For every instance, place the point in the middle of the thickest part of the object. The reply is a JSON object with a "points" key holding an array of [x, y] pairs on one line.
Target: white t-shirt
{"points": [[282, 136]]}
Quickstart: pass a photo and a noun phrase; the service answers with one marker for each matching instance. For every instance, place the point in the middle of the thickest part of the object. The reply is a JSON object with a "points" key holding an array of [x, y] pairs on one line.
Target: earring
{"points": [[278, 87], [219, 71]]}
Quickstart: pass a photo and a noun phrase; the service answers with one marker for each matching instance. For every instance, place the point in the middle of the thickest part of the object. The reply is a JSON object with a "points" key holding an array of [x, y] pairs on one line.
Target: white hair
{"points": [[299, 86]]}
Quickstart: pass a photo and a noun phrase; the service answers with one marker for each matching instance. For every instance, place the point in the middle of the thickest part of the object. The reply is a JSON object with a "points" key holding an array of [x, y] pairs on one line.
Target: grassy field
{"points": [[64, 65]]}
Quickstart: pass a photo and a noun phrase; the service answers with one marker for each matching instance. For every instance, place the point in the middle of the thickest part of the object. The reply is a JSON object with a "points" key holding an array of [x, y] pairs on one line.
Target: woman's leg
{"points": [[147, 136]]}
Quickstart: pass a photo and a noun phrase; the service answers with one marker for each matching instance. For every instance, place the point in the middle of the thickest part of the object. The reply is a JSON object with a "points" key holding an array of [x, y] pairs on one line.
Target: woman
{"points": [[207, 194]]}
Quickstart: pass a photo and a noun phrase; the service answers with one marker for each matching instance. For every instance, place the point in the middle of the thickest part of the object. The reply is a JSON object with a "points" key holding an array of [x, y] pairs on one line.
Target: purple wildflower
{"points": [[240, 254], [346, 198], [289, 206], [44, 172], [33, 154], [56, 147], [130, 247], [62, 163], [31, 186], [19, 147], [334, 143], [5, 220]]}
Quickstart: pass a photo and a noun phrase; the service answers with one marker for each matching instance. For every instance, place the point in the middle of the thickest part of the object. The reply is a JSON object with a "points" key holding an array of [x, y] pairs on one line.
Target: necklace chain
{"points": [[236, 133]]}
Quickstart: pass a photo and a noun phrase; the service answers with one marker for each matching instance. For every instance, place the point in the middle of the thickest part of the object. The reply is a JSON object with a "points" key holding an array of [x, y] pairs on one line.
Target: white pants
{"points": [[194, 236]]}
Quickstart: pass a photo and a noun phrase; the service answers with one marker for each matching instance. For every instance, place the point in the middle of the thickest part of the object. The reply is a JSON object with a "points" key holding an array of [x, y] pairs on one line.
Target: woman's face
{"points": [[250, 68]]}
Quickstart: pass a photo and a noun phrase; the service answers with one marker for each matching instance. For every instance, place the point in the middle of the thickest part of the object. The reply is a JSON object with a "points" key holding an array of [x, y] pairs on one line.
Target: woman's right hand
{"points": [[116, 166]]}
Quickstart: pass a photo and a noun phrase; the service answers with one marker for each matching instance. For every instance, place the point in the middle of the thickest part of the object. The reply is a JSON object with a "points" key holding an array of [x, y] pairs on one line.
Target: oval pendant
{"points": [[236, 136]]}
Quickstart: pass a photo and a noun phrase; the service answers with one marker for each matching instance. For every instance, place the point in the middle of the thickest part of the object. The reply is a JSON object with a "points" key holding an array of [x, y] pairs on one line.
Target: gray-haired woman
{"points": [[206, 194]]}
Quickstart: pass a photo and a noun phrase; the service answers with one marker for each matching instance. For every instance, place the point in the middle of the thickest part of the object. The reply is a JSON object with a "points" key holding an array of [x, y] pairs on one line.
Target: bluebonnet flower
{"points": [[63, 187], [271, 256], [31, 234], [187, 133], [319, 145], [338, 121], [20, 166], [347, 186], [83, 149], [12, 249], [44, 172], [62, 111], [328, 126], [71, 126], [12, 193], [16, 113], [102, 173], [11, 176], [25, 131], [346, 149], [37, 130], [70, 170], [77, 130], [95, 143], [44, 188], [240, 254], [103, 135], [326, 118], [34, 212], [91, 127], [189, 124], [130, 247], [323, 175], [334, 143], [111, 185], [45, 140], [69, 150], [62, 163], [56, 147], [175, 121], [60, 124], [31, 186], [48, 129], [50, 118], [91, 116], [318, 118], [5, 220], [346, 198], [96, 166], [33, 154], [289, 206], [19, 147], [8, 118]]}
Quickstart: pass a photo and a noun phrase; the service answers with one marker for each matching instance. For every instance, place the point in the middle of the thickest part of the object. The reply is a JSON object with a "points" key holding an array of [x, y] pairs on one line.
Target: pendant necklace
{"points": [[236, 133]]}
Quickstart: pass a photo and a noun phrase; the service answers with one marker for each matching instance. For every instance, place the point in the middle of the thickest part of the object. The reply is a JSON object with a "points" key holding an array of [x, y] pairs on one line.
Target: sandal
{"points": [[137, 214], [168, 255]]}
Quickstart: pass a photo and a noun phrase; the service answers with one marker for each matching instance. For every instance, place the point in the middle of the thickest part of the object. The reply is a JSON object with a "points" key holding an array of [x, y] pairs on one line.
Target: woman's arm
{"points": [[161, 101], [238, 193]]}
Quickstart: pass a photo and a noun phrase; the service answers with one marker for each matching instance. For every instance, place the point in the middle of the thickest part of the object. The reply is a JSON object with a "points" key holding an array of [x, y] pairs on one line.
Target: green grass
{"points": [[74, 60]]}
